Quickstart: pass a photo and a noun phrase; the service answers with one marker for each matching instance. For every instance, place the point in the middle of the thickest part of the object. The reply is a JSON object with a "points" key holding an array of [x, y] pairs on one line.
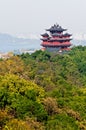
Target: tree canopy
{"points": [[44, 91]]}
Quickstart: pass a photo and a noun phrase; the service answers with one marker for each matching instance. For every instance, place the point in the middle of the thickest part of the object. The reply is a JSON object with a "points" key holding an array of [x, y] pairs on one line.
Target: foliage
{"points": [[44, 91], [51, 106]]}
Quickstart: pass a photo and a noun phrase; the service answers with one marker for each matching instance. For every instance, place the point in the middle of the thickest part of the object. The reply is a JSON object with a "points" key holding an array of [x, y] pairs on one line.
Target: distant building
{"points": [[6, 55], [24, 51], [56, 40]]}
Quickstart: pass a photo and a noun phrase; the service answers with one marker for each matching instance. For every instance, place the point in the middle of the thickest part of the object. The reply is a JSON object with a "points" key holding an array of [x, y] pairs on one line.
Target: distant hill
{"points": [[78, 42], [10, 43], [6, 38]]}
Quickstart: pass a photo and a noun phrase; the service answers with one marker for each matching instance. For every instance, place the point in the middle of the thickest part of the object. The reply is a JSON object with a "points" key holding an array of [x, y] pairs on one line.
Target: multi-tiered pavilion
{"points": [[55, 39]]}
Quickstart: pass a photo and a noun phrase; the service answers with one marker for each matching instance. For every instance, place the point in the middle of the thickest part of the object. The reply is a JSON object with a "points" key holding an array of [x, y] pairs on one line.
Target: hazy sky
{"points": [[33, 16]]}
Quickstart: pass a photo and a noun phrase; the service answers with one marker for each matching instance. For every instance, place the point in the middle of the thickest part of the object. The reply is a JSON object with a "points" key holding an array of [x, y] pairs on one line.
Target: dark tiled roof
{"points": [[45, 34], [61, 35], [55, 28], [57, 34], [67, 34]]}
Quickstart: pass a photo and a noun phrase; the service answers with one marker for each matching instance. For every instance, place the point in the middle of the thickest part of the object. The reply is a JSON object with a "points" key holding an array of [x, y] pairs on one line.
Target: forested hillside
{"points": [[44, 91]]}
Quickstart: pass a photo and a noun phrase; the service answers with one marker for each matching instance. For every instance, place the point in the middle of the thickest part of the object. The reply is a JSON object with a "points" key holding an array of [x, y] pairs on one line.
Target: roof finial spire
{"points": [[57, 24]]}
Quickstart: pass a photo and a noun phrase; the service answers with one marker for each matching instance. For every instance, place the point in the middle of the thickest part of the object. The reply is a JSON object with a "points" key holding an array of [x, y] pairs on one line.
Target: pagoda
{"points": [[56, 39]]}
